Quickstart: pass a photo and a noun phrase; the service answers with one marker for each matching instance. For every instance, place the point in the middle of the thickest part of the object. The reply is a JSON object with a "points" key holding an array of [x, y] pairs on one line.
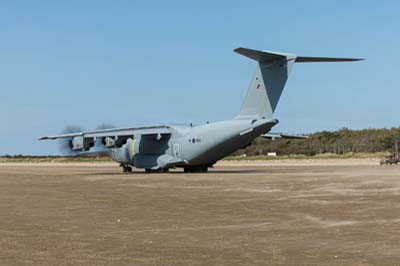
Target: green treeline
{"points": [[337, 142]]}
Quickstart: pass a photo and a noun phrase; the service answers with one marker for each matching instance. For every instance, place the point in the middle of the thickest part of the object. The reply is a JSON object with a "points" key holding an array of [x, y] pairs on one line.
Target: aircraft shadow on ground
{"points": [[211, 172]]}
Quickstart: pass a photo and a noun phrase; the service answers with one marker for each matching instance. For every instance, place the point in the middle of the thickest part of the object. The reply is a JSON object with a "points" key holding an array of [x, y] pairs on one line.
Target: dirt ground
{"points": [[237, 214]]}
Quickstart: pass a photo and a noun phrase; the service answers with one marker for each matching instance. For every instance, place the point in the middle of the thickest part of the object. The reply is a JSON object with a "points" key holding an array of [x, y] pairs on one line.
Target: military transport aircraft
{"points": [[195, 148]]}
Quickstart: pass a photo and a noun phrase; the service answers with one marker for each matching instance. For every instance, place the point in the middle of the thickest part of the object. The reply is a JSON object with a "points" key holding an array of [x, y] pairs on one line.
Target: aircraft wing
{"points": [[272, 135], [114, 132]]}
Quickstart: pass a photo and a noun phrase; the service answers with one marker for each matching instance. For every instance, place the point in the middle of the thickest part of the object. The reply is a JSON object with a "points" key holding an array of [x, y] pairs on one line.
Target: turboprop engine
{"points": [[115, 142], [81, 143], [109, 142]]}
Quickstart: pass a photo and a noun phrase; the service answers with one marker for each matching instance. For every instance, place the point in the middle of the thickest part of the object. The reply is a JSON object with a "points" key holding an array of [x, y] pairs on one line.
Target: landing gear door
{"points": [[176, 151]]}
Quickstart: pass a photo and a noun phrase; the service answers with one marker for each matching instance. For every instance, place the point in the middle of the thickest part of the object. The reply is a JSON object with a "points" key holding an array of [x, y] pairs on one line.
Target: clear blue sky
{"points": [[143, 62]]}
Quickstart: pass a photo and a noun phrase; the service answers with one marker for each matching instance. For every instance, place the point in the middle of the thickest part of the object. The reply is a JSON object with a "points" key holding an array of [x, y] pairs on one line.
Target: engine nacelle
{"points": [[81, 143], [109, 142], [114, 142]]}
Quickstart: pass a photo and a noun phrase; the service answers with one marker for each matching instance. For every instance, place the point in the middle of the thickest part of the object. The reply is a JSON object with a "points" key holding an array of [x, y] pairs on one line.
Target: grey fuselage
{"points": [[201, 145], [198, 147]]}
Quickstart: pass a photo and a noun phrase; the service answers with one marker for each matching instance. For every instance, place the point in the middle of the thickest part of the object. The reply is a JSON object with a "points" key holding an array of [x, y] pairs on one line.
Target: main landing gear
{"points": [[195, 169], [162, 170], [126, 168]]}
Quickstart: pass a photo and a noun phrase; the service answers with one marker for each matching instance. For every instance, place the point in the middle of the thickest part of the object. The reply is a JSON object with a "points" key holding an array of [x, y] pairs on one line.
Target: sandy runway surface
{"points": [[237, 214]]}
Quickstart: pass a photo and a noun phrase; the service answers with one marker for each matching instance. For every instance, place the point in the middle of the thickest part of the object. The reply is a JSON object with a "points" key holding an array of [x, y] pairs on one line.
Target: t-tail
{"points": [[272, 72]]}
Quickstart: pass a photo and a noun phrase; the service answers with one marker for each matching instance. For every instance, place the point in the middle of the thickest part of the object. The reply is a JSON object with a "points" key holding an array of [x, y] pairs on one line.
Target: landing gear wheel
{"points": [[161, 170], [195, 169], [126, 168]]}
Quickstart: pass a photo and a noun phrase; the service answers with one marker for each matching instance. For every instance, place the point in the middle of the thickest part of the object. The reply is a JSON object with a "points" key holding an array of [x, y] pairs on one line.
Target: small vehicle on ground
{"points": [[390, 159]]}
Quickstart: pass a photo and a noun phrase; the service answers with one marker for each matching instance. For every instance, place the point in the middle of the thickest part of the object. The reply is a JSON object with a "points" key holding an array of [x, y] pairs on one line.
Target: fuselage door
{"points": [[176, 151]]}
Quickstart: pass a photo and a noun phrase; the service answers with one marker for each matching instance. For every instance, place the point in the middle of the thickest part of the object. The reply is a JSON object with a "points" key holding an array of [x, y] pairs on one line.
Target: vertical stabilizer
{"points": [[267, 84], [272, 72]]}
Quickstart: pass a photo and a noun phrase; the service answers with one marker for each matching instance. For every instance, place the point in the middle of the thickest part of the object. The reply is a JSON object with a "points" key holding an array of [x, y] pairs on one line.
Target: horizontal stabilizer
{"points": [[262, 56], [307, 59], [272, 135], [270, 56]]}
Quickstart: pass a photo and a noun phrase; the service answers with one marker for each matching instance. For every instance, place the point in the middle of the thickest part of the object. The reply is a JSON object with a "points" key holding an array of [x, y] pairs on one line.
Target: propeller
{"points": [[66, 145], [104, 126]]}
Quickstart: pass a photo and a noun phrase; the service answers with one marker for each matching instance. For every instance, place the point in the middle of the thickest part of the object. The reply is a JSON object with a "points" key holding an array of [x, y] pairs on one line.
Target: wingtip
{"points": [[238, 49], [356, 59]]}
